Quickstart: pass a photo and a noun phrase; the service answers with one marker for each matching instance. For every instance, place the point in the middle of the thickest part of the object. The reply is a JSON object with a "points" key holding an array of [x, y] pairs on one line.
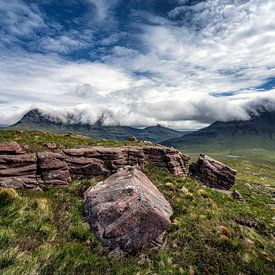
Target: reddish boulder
{"points": [[127, 210], [169, 158], [212, 173], [11, 148]]}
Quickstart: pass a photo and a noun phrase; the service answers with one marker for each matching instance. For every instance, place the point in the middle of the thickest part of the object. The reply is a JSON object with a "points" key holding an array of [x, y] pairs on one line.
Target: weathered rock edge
{"points": [[212, 173], [20, 169], [127, 211]]}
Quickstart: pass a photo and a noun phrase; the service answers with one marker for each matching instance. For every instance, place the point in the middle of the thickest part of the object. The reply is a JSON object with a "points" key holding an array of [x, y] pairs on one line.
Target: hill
{"points": [[237, 138], [211, 233], [36, 120]]}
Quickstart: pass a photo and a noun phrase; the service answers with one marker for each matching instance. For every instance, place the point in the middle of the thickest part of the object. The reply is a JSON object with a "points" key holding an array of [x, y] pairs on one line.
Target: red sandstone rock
{"points": [[18, 171], [127, 210], [212, 173], [82, 167], [58, 168], [53, 169], [11, 148]]}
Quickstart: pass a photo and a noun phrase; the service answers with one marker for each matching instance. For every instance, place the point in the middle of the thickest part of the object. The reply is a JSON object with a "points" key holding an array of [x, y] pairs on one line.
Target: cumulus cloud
{"points": [[198, 62]]}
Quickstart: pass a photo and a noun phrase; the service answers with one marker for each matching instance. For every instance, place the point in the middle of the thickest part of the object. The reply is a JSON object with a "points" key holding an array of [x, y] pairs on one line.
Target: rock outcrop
{"points": [[52, 169], [127, 210], [212, 173], [19, 168]]}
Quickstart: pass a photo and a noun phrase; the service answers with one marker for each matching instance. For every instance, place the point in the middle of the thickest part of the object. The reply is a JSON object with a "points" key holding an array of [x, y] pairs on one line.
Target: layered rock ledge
{"points": [[127, 211], [20, 169]]}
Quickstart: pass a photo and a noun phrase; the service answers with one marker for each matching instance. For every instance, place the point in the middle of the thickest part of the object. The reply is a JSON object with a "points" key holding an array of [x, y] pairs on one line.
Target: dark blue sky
{"points": [[181, 63]]}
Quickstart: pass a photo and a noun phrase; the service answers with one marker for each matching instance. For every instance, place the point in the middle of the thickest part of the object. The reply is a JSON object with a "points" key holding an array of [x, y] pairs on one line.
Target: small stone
{"points": [[249, 242], [237, 196], [132, 139], [184, 190], [247, 185], [51, 146]]}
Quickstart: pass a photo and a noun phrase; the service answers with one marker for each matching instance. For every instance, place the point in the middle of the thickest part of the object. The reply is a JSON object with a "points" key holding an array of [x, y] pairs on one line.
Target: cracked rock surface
{"points": [[127, 211]]}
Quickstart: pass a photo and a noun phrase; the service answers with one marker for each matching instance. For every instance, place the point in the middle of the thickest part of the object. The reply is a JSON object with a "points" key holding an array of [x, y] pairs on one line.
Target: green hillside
{"points": [[245, 139], [46, 233]]}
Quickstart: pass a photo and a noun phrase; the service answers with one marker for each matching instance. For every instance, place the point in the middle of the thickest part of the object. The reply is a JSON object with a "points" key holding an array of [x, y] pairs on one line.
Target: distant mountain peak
{"points": [[37, 119], [38, 116], [258, 131]]}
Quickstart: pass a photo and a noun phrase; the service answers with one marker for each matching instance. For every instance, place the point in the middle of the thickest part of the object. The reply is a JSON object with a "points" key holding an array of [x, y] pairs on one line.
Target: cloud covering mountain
{"points": [[180, 63]]}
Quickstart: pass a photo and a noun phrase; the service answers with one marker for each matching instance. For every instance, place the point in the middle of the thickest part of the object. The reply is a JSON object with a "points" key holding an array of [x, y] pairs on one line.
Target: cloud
{"points": [[103, 7], [20, 19], [183, 67]]}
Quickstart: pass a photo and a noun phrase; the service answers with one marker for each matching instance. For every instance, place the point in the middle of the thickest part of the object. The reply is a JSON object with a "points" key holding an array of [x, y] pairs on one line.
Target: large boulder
{"points": [[127, 210], [212, 173], [168, 158]]}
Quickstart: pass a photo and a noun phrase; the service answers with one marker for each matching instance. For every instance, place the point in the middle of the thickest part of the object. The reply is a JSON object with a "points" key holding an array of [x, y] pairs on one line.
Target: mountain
{"points": [[36, 120], [232, 136]]}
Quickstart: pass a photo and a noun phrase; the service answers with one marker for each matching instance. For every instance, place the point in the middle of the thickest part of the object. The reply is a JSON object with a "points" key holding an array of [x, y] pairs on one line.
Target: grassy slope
{"points": [[245, 147], [37, 139], [154, 134], [45, 233], [258, 149]]}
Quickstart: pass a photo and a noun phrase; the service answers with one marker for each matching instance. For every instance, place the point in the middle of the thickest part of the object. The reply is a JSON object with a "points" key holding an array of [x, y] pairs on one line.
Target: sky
{"points": [[180, 63]]}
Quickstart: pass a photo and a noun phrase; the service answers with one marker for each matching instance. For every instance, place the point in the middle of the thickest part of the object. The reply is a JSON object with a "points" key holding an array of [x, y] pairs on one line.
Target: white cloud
{"points": [[227, 46], [103, 8], [20, 19]]}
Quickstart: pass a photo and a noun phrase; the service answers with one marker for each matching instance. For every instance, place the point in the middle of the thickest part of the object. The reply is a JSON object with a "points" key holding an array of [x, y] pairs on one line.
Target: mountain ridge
{"points": [[258, 132], [36, 120]]}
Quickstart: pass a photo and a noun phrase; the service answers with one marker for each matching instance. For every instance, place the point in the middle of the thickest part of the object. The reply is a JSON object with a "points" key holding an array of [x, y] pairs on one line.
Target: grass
{"points": [[244, 151], [46, 233], [38, 139]]}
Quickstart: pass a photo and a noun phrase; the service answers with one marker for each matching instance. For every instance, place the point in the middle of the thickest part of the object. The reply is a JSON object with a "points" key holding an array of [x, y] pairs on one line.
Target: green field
{"points": [[45, 232]]}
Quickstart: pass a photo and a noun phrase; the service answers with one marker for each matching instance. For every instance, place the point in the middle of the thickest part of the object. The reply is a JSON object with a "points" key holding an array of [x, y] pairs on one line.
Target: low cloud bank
{"points": [[183, 115]]}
